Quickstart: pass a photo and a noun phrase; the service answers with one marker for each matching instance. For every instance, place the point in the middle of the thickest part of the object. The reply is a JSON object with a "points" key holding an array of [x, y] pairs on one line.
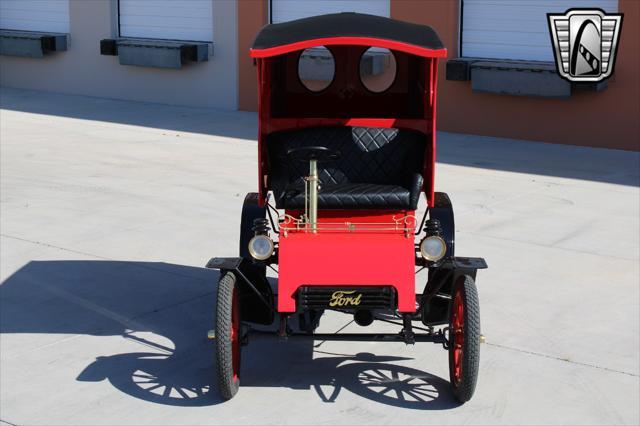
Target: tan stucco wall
{"points": [[252, 15], [603, 119], [82, 70]]}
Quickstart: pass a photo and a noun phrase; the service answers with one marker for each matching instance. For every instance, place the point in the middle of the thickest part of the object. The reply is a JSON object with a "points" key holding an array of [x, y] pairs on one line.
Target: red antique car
{"points": [[347, 149]]}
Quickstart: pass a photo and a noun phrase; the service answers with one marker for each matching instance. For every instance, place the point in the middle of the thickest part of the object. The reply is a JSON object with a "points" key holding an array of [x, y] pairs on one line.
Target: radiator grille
{"points": [[338, 297]]}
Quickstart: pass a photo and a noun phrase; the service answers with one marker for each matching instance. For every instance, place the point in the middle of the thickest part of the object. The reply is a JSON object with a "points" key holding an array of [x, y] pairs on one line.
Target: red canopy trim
{"points": [[358, 41]]}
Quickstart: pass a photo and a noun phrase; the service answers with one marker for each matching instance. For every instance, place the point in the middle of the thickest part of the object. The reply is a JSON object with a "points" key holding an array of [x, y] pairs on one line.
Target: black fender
{"points": [[435, 301], [254, 291], [443, 211], [251, 210]]}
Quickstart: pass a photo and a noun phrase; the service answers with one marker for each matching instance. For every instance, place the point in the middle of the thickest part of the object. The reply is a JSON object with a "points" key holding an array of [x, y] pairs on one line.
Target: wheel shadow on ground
{"points": [[163, 313], [299, 365]]}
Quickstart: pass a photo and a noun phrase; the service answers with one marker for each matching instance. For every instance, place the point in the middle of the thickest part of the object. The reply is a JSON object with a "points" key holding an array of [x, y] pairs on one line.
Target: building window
{"points": [[50, 16], [514, 29], [289, 10], [188, 20]]}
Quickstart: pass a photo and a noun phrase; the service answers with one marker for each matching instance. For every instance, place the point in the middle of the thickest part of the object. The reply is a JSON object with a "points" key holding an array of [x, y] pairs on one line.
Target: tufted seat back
{"points": [[369, 155]]}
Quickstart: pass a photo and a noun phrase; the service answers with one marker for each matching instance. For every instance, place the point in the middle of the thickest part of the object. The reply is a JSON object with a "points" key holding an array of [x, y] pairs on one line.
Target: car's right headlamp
{"points": [[433, 248], [261, 247]]}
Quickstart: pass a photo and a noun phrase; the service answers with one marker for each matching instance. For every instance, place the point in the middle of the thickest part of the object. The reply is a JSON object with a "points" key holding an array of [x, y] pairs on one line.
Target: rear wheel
{"points": [[228, 336], [464, 339]]}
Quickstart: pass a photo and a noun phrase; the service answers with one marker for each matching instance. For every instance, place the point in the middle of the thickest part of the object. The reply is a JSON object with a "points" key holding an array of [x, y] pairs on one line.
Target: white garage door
{"points": [[515, 29], [35, 15], [288, 10], [167, 19]]}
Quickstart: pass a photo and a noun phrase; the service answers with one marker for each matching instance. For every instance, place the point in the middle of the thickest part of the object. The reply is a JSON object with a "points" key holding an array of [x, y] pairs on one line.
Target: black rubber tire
{"points": [[464, 388], [228, 380]]}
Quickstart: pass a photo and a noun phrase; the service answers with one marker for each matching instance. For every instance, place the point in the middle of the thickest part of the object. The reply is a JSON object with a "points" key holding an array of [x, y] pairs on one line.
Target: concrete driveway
{"points": [[109, 210]]}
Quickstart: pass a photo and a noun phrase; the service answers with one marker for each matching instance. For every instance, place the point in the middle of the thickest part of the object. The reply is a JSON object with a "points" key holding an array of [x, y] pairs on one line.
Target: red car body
{"points": [[342, 257], [350, 240]]}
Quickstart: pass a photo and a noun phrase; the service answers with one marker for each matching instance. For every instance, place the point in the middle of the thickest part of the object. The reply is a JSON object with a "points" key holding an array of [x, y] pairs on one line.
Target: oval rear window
{"points": [[316, 68], [377, 69]]}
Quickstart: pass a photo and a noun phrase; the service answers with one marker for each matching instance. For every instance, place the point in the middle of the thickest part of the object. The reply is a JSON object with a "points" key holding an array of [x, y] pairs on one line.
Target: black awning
{"points": [[353, 25]]}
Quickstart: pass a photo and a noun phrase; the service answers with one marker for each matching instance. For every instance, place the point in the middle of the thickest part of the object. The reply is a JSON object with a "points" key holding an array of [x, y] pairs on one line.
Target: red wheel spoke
{"points": [[235, 339], [457, 335]]}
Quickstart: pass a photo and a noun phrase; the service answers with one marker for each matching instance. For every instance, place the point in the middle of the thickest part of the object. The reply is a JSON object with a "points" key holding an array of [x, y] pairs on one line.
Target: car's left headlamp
{"points": [[261, 247]]}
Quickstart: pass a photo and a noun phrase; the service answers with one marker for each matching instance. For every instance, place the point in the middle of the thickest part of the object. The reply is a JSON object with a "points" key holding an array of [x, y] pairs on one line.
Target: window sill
{"points": [[516, 78], [31, 44], [156, 53]]}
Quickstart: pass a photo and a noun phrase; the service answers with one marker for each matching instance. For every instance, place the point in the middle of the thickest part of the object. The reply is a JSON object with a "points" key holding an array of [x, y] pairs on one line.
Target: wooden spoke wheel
{"points": [[228, 336], [464, 339]]}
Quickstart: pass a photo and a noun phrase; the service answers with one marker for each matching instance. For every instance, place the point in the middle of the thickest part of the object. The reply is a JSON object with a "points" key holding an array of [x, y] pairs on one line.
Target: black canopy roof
{"points": [[347, 25]]}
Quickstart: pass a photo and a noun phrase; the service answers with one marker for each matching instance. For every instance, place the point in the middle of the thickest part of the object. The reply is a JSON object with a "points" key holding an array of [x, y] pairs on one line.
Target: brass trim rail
{"points": [[288, 223]]}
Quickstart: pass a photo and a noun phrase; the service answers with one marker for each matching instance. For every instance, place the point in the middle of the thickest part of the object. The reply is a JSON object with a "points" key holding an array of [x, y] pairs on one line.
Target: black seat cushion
{"points": [[378, 168], [356, 196]]}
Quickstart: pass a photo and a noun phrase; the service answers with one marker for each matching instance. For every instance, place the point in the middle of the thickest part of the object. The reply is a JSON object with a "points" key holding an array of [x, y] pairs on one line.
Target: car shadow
{"points": [[163, 313]]}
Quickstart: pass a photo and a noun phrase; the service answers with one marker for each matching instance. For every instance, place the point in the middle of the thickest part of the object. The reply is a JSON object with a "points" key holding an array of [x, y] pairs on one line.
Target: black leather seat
{"points": [[357, 196], [378, 168]]}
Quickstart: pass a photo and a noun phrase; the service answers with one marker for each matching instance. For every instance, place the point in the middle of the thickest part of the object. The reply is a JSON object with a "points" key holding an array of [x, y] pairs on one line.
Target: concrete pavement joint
{"points": [[506, 200], [546, 245], [96, 256], [335, 332], [128, 323], [584, 364], [39, 348], [40, 243], [182, 302]]}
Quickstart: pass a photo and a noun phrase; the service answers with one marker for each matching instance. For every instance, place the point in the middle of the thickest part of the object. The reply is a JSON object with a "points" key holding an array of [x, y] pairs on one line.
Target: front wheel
{"points": [[228, 336], [464, 339]]}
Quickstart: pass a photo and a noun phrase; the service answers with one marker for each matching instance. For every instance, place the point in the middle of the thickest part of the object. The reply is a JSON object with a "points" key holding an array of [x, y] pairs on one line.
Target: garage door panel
{"points": [[161, 33], [173, 11], [35, 15], [33, 25], [167, 19], [515, 29], [178, 8], [163, 21], [498, 25], [506, 52], [288, 10], [556, 5], [518, 39], [31, 5]]}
